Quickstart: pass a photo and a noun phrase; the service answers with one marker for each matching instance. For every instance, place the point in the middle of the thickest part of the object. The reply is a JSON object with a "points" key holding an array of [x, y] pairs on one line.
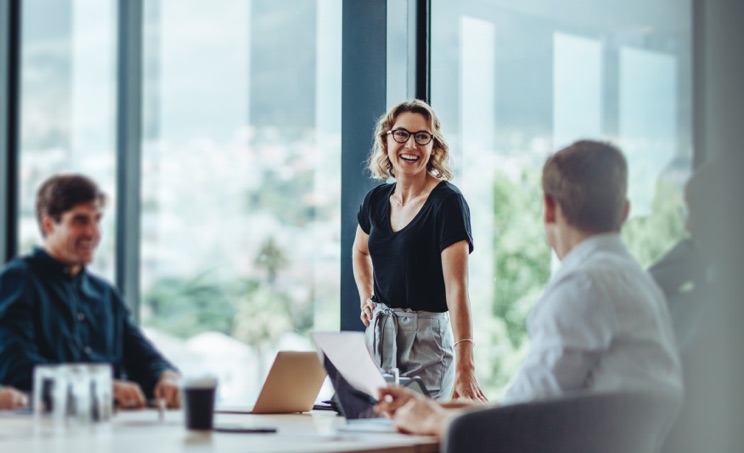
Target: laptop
{"points": [[292, 385], [355, 379]]}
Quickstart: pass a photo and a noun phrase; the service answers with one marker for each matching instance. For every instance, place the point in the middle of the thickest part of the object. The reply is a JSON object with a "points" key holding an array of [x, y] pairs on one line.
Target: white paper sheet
{"points": [[349, 354]]}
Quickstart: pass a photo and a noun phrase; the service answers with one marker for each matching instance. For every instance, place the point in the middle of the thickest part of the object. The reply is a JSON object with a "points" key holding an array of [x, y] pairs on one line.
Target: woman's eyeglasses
{"points": [[422, 138]]}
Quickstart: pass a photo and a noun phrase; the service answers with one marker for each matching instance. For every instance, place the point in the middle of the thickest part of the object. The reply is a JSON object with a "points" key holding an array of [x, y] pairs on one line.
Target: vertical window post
{"points": [[128, 144], [364, 58], [419, 49], [10, 112]]}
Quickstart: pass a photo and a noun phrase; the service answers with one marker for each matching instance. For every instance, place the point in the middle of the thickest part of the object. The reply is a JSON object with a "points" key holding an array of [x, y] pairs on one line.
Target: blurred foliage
{"points": [[262, 316], [521, 268], [253, 311], [273, 197], [522, 257], [186, 307], [649, 237], [271, 257]]}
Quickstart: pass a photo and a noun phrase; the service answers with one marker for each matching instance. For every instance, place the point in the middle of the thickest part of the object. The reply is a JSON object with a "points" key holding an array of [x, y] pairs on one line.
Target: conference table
{"points": [[143, 431]]}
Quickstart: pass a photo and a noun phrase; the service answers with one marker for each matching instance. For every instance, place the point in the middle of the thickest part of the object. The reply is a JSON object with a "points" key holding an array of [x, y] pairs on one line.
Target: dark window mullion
{"points": [[10, 113], [128, 149], [419, 49], [364, 69]]}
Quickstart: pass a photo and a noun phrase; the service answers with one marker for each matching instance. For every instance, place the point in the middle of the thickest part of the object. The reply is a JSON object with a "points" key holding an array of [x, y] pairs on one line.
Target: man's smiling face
{"points": [[74, 239]]}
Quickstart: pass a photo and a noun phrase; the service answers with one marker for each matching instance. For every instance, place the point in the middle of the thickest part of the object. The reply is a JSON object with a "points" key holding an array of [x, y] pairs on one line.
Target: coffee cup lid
{"points": [[205, 382]]}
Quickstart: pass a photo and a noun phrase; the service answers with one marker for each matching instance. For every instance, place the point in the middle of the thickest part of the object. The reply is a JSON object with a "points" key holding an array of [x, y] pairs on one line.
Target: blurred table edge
{"points": [[142, 432]]}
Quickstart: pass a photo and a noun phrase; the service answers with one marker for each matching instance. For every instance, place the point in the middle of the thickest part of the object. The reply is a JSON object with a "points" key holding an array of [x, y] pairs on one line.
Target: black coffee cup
{"points": [[198, 397]]}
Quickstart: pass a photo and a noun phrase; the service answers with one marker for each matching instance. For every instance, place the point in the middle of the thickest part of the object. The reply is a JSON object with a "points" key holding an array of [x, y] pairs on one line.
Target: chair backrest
{"points": [[622, 422]]}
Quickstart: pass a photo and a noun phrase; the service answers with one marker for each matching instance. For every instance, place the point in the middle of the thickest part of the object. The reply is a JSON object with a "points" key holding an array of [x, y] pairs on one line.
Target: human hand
{"points": [[466, 386], [412, 412], [128, 395], [367, 308], [390, 399], [167, 389], [11, 398]]}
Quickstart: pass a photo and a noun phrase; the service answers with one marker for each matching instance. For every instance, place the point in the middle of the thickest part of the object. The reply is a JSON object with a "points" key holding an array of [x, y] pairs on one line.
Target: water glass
{"points": [[101, 391], [72, 396], [391, 375], [49, 396]]}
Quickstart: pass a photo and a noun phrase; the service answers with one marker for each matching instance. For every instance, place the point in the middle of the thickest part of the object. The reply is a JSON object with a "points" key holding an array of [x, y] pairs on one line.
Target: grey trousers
{"points": [[418, 343]]}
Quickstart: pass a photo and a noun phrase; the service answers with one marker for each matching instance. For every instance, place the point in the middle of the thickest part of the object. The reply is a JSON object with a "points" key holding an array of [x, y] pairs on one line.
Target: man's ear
{"points": [[549, 214], [626, 211], [47, 224]]}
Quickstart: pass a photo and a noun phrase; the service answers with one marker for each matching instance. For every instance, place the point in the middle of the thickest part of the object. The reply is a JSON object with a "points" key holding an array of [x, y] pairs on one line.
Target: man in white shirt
{"points": [[602, 323]]}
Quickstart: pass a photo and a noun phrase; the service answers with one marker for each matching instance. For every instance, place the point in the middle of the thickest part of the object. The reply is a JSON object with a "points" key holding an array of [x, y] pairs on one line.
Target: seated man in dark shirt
{"points": [[52, 310]]}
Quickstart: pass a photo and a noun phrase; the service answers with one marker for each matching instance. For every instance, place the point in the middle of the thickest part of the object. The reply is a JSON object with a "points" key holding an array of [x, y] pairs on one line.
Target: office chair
{"points": [[619, 422]]}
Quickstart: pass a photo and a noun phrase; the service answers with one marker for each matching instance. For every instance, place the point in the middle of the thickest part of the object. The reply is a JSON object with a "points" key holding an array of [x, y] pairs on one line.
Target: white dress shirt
{"points": [[601, 324]]}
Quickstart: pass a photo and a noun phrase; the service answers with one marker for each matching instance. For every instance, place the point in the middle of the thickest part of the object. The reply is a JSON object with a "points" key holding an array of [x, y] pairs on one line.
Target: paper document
{"points": [[349, 354]]}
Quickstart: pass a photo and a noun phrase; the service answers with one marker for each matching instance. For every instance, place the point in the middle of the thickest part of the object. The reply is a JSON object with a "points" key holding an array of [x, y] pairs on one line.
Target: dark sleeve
{"points": [[19, 352], [678, 266], [363, 216], [454, 222], [142, 362]]}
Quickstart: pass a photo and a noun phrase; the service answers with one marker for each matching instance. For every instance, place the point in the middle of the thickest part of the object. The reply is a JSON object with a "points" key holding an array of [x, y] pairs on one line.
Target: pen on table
{"points": [[160, 404]]}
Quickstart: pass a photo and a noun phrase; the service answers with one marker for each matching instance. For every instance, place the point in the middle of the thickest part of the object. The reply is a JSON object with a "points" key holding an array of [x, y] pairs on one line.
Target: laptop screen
{"points": [[352, 371], [354, 404]]}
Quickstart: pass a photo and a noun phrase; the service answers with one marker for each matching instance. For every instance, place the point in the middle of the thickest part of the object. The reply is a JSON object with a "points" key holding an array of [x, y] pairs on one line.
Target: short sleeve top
{"points": [[407, 264]]}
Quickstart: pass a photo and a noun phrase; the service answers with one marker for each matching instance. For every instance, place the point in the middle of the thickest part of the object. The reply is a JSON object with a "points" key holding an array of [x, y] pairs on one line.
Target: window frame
{"points": [[10, 89], [364, 89]]}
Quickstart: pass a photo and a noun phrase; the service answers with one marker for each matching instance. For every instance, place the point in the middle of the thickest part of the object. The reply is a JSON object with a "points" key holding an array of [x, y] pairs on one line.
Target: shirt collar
{"points": [[51, 265], [585, 248]]}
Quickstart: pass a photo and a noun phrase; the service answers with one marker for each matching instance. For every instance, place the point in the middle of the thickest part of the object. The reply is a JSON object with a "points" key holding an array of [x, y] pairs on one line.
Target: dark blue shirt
{"points": [[48, 316], [407, 264]]}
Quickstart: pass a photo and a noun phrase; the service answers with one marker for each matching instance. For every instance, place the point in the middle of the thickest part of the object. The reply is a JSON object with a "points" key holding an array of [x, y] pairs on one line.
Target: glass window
{"points": [[396, 79], [68, 95], [513, 82], [240, 182]]}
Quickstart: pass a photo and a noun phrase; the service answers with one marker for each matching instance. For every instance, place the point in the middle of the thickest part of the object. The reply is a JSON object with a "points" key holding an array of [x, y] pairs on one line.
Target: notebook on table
{"points": [[292, 385]]}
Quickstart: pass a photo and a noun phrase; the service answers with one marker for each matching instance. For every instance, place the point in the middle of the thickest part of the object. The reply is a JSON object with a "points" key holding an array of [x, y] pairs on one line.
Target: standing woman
{"points": [[410, 257]]}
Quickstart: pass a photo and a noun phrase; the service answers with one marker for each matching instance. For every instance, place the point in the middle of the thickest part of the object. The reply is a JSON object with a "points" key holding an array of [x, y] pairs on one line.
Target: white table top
{"points": [[142, 432]]}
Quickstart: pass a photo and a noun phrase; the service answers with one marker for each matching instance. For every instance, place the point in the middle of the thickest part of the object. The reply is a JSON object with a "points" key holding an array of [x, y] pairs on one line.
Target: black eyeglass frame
{"points": [[409, 134]]}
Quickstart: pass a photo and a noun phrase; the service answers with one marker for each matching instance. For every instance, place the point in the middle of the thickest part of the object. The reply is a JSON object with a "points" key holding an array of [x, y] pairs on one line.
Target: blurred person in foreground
{"points": [[687, 273], [602, 323], [53, 310], [410, 257], [691, 275]]}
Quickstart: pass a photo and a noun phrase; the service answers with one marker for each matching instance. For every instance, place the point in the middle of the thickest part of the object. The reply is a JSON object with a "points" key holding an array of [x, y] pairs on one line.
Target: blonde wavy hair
{"points": [[439, 164]]}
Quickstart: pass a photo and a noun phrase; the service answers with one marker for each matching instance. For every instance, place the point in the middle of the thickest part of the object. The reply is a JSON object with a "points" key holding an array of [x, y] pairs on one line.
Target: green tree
{"points": [[263, 315], [271, 257]]}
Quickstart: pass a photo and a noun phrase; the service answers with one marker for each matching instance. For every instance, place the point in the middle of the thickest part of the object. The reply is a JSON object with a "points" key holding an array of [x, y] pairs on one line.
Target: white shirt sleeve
{"points": [[570, 327]]}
